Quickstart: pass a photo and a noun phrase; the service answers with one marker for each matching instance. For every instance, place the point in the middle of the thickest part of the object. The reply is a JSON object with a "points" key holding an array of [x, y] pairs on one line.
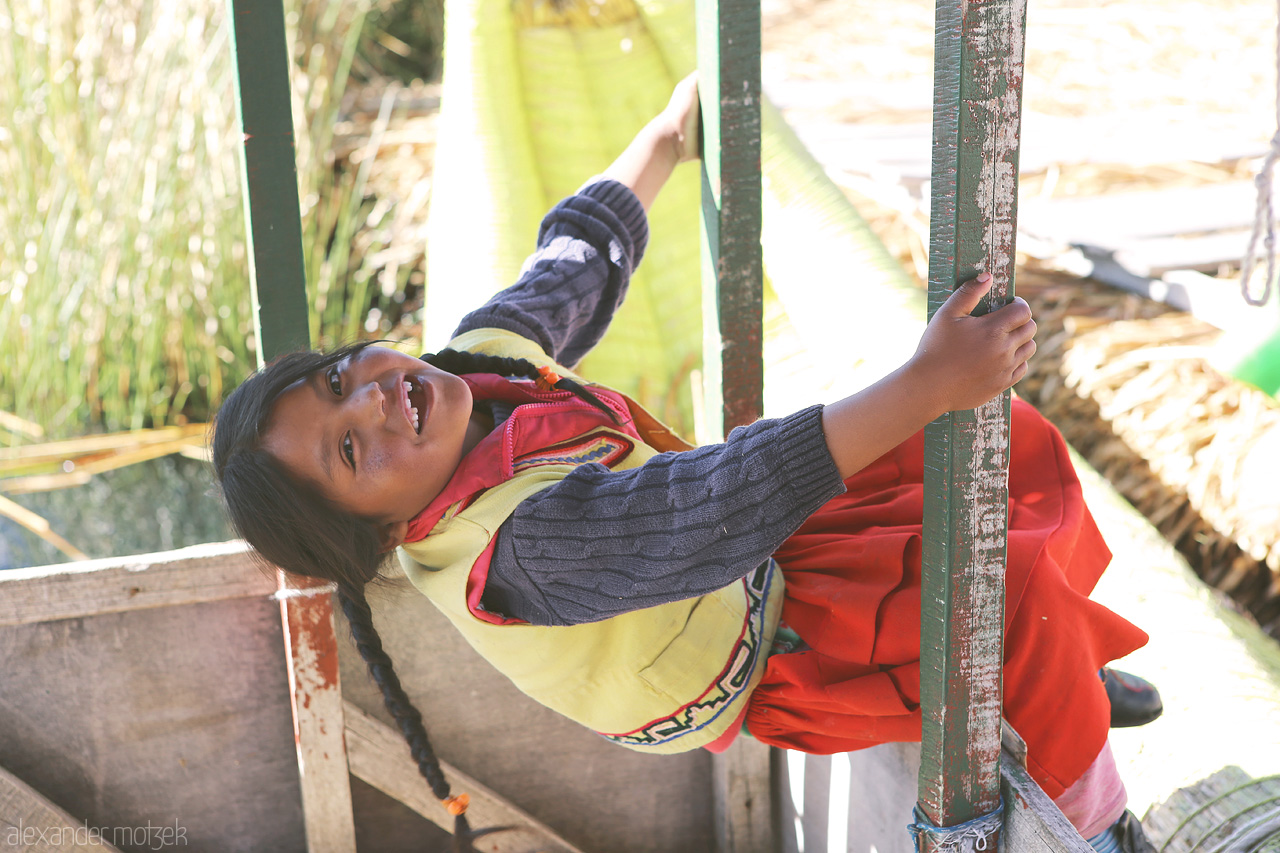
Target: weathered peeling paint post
{"points": [[732, 265], [733, 328], [319, 718], [281, 321], [977, 109]]}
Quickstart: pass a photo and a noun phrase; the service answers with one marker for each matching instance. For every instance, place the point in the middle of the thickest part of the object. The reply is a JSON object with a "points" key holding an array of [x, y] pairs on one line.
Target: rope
{"points": [[977, 834], [1264, 217]]}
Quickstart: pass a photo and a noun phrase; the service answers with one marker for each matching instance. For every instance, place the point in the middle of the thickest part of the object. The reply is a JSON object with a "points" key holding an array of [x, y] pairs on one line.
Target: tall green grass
{"points": [[124, 297]]}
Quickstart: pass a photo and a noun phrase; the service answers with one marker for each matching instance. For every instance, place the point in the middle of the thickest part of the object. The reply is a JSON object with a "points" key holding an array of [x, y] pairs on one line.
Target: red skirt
{"points": [[853, 595]]}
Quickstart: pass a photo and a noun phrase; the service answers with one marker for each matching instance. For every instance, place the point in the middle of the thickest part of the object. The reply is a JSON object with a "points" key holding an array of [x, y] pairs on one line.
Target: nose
{"points": [[371, 402]]}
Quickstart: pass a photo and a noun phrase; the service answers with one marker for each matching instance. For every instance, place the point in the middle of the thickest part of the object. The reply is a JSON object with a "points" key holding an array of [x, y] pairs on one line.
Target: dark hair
{"points": [[291, 526]]}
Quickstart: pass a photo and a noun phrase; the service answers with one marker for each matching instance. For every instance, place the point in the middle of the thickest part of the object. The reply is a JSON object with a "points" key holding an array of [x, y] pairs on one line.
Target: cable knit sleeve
{"points": [[601, 542], [570, 287]]}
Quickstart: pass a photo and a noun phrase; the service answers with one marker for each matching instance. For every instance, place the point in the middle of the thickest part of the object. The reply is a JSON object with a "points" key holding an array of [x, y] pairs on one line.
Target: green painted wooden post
{"points": [[977, 107], [277, 279], [277, 282], [732, 310], [732, 269]]}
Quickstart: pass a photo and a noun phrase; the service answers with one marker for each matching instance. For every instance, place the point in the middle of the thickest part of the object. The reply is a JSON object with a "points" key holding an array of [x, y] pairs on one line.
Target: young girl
{"points": [[640, 591]]}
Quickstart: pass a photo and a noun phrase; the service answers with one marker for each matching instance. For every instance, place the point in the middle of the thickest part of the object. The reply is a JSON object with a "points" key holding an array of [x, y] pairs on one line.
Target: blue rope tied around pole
{"points": [[976, 834]]}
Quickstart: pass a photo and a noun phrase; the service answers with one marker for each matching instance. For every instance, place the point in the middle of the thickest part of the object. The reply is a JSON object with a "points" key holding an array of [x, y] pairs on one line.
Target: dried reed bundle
{"points": [[1128, 383]]}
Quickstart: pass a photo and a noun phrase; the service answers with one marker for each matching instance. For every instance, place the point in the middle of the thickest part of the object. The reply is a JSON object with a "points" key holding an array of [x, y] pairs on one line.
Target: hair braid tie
{"points": [[356, 608], [457, 805], [547, 378]]}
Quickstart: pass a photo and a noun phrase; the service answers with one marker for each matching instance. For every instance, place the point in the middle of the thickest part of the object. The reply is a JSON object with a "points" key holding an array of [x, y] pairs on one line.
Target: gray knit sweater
{"points": [[601, 542]]}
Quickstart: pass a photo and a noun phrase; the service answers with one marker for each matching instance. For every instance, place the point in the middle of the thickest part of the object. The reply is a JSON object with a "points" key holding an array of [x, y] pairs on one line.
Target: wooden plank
{"points": [[1152, 257], [1205, 252], [212, 572], [269, 177], [977, 106], [732, 269], [169, 716], [1031, 821], [379, 755], [315, 691], [1103, 220], [883, 791], [742, 776], [1214, 300], [900, 152], [32, 823]]}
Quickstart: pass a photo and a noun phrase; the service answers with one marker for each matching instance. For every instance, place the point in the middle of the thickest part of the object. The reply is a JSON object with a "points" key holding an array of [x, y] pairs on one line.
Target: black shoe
{"points": [[1129, 832], [1134, 701]]}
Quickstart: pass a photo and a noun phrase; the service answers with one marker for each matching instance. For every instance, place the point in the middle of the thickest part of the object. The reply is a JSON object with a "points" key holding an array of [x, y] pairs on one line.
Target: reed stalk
{"points": [[123, 275]]}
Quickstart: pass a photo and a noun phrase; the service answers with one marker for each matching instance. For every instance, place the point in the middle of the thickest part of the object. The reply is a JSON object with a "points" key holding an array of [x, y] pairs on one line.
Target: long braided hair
{"points": [[291, 526]]}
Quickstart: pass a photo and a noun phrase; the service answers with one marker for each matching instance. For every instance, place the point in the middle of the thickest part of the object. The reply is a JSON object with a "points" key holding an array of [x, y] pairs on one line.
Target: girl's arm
{"points": [[570, 287], [603, 542], [669, 139], [599, 542], [961, 362]]}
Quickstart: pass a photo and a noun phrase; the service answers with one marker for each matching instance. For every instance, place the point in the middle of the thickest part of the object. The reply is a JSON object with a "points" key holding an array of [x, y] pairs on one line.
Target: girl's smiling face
{"points": [[379, 434]]}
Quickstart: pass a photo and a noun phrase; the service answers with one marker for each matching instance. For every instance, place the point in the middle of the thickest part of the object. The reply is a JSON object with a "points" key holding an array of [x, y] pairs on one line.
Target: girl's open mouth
{"points": [[417, 400]]}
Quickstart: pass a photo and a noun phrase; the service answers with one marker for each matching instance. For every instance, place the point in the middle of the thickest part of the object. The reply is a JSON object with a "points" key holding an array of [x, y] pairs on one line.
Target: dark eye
{"points": [[334, 379], [348, 450]]}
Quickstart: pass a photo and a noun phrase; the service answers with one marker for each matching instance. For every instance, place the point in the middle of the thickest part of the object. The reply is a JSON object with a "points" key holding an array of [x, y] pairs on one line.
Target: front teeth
{"points": [[412, 410]]}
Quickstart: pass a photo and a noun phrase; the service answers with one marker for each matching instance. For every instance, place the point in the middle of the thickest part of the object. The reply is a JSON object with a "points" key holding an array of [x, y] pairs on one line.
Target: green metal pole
{"points": [[276, 276], [977, 110], [732, 268]]}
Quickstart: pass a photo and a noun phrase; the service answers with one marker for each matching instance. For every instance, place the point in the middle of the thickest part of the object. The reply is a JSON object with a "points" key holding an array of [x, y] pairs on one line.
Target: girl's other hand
{"points": [[670, 138], [967, 360], [961, 363], [683, 114]]}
